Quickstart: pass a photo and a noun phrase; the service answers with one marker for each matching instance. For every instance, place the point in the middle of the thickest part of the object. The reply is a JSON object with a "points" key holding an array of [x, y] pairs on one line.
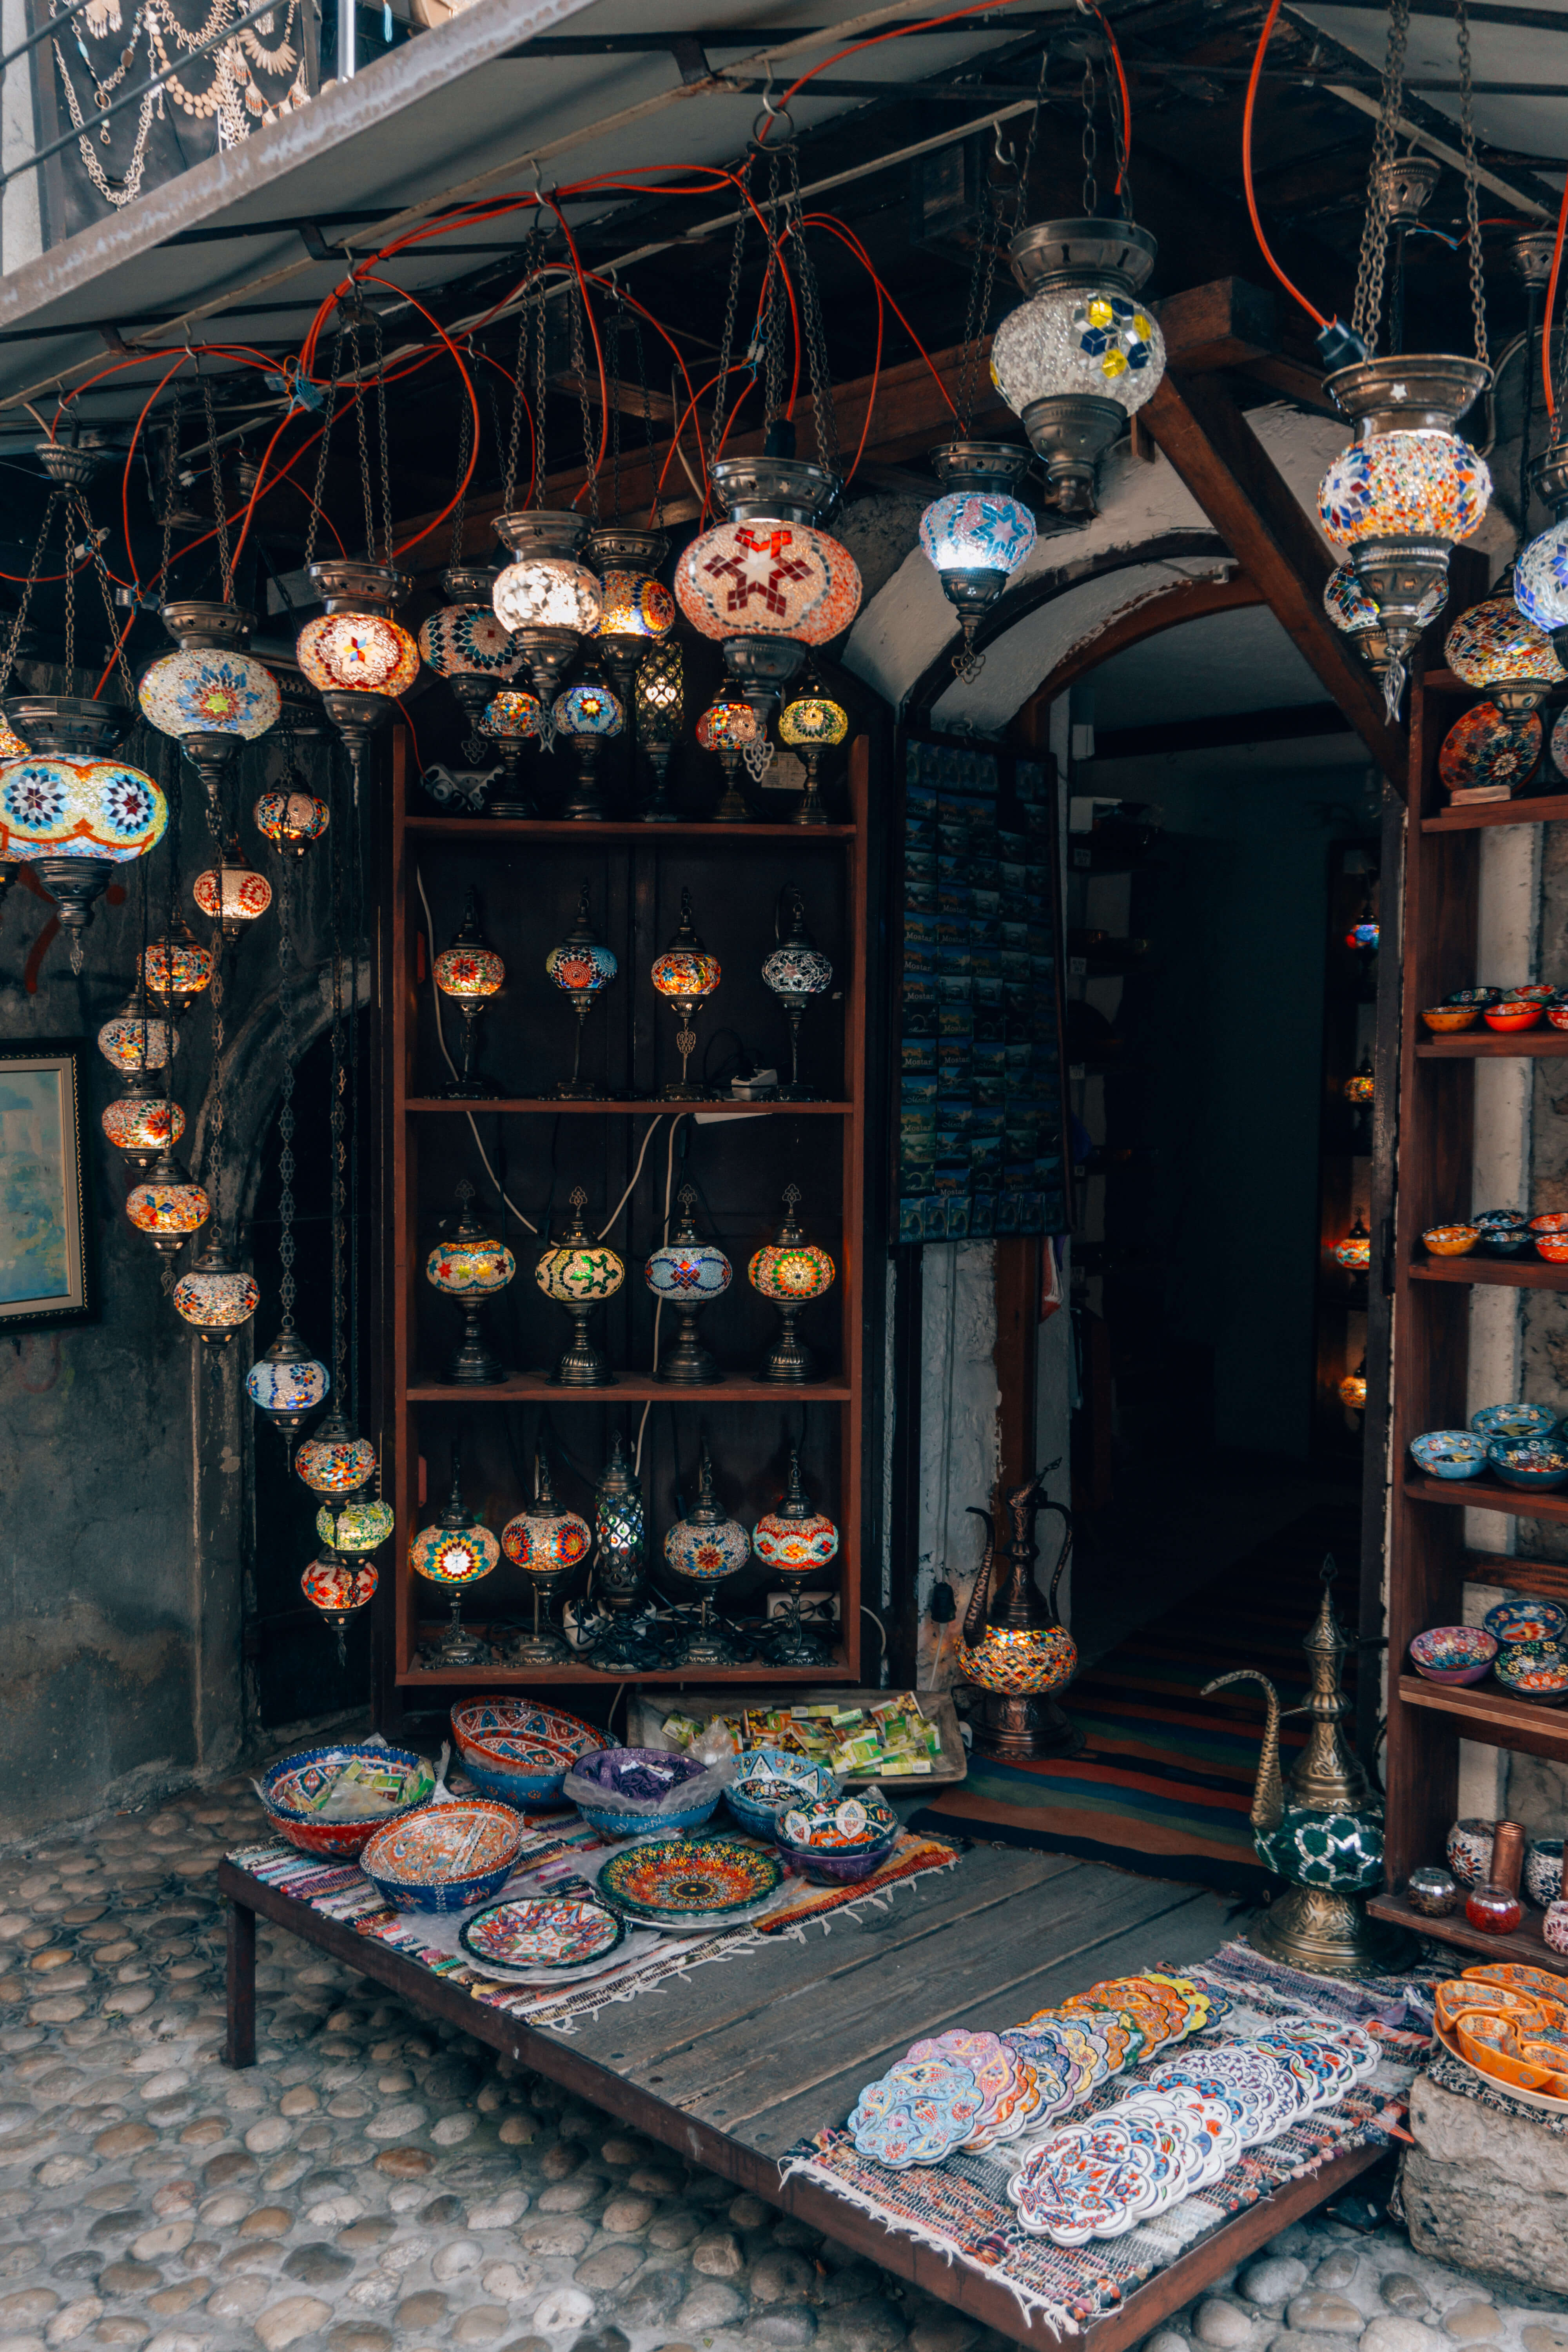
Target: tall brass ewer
{"points": [[1017, 1651], [1323, 1831]]}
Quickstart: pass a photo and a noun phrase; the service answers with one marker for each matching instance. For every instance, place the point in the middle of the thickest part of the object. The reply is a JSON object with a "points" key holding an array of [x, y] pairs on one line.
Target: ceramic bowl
{"points": [[1537, 1462], [1432, 1891], [1554, 1928], [1500, 1240], [1543, 1871], [642, 1773], [447, 1858], [1469, 1851], [1488, 1217], [1453, 1654], [1535, 1622], [1553, 1247], [1558, 1015], [1451, 1240], [1513, 1424], [767, 1780], [1553, 1220], [1443, 1018], [1513, 1013], [1545, 1680], [1476, 997], [518, 1751], [1535, 992], [287, 1785], [836, 1864], [1450, 1454]]}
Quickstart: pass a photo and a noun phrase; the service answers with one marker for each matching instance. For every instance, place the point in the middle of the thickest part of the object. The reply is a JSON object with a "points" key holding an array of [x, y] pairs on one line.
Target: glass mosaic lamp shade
{"points": [[143, 1125], [470, 1266], [545, 595], [291, 820], [336, 1461], [453, 1554], [359, 1524], [1361, 1086], [658, 699], [791, 1271], [135, 1041], [287, 1384], [1354, 1252], [216, 1295], [582, 967], [620, 1640], [685, 1274], [339, 1588], [68, 809], [470, 974], [176, 969], [168, 1207], [812, 723], [636, 610], [797, 1543], [1352, 611], [579, 1273], [211, 695], [978, 533], [588, 714], [466, 644], [232, 892], [703, 1550], [1015, 1649], [513, 719], [737, 735], [354, 646], [1541, 571], [1353, 1389], [548, 1544], [1081, 354], [1494, 646], [796, 972], [683, 975]]}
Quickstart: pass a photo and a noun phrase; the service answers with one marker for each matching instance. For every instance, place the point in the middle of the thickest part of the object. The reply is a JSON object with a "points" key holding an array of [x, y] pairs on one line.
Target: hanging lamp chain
{"points": [[212, 1146], [981, 277], [580, 369], [171, 472], [727, 343], [318, 501], [1366, 317], [775, 320], [378, 340], [640, 356], [1089, 143], [1472, 189], [335, 1155], [224, 561], [286, 1107], [824, 410], [540, 380], [519, 399], [465, 451], [616, 323], [94, 539]]}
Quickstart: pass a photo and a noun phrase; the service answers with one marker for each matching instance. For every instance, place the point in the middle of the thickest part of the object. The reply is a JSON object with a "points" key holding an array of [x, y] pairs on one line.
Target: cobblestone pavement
{"points": [[381, 2183]]}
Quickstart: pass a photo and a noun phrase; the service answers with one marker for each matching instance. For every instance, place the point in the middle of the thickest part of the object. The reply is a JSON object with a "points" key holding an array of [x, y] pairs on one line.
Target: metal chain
{"points": [[580, 369], [465, 451], [824, 410], [514, 430], [335, 1103], [378, 340], [13, 643], [286, 1107], [212, 1143], [356, 917], [615, 322], [727, 344], [1472, 192], [361, 421], [1090, 145], [775, 317], [637, 354], [225, 561], [116, 641], [1021, 197], [540, 379], [1527, 421], [1367, 314], [314, 523], [981, 277], [170, 471]]}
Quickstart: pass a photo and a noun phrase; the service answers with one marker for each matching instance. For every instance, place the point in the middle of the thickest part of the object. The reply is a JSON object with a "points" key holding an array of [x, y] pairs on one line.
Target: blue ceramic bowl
{"points": [[1513, 1623], [447, 1858], [1453, 1654], [517, 1750], [1513, 1425], [798, 1783], [1503, 1233], [1450, 1454], [1474, 996], [1531, 1462], [640, 1772], [286, 1785], [837, 1865]]}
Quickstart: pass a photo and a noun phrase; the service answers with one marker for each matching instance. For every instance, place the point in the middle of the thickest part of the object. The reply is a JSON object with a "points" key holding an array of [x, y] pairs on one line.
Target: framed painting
{"points": [[44, 1260]]}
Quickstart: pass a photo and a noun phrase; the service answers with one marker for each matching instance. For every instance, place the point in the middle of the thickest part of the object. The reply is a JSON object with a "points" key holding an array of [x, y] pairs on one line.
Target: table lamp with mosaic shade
{"points": [[512, 718], [587, 715], [812, 723], [796, 972], [705, 1549], [683, 975], [658, 700], [1017, 1652], [548, 1544], [797, 1542], [619, 1638], [579, 1273], [470, 1266], [455, 1553], [685, 1272], [791, 1270], [732, 729], [582, 967], [470, 974]]}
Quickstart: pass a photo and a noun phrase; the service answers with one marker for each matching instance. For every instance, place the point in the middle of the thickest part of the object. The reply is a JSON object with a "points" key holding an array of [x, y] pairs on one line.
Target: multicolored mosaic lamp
{"points": [[134, 1042], [1352, 1387], [455, 1553], [291, 820], [336, 1461], [176, 969], [70, 811], [620, 1639], [511, 719], [704, 1548], [791, 1271], [338, 1588], [582, 967], [212, 695], [216, 1295], [353, 653], [579, 1273], [588, 714], [1541, 571], [286, 1383], [796, 972], [635, 611], [1494, 646], [1083, 354], [467, 645], [1360, 1091], [797, 1542], [683, 975], [658, 699], [732, 731], [976, 535], [549, 1545], [813, 723], [232, 892], [169, 1207], [471, 1267], [360, 1525], [143, 1122], [1354, 1252], [545, 596], [686, 1274], [470, 974]]}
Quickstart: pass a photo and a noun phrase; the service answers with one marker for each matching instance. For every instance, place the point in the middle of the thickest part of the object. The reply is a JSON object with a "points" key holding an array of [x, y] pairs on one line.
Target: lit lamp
{"points": [[579, 1273], [619, 1641], [287, 1384], [796, 972], [977, 533], [1017, 1652], [791, 1271], [732, 729], [291, 820], [1081, 355], [471, 1267], [658, 699], [1352, 611], [635, 611], [67, 809], [212, 695], [1541, 571], [1494, 646], [590, 713], [1355, 1253], [797, 1543], [134, 1042], [683, 975], [545, 596], [686, 1274], [813, 723], [176, 969], [216, 1295], [359, 1524], [335, 1462], [704, 1548], [338, 1588], [580, 967], [470, 974], [1360, 1090], [455, 1553], [353, 653], [143, 1123], [168, 1207], [232, 892], [513, 718], [1352, 1387], [548, 1544], [467, 645]]}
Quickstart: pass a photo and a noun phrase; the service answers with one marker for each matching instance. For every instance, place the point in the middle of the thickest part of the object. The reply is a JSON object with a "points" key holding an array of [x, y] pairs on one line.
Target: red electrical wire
{"points": [[981, 7], [1126, 102], [1294, 292], [1551, 306]]}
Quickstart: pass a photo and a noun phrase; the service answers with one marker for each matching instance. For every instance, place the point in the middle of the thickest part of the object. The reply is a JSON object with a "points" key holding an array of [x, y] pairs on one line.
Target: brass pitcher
{"points": [[1323, 1831], [1016, 1650]]}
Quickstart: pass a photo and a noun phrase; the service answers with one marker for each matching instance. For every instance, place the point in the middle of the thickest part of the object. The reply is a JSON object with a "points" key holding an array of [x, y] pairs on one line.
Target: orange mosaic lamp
{"points": [[683, 975], [470, 974], [455, 1553], [791, 1271]]}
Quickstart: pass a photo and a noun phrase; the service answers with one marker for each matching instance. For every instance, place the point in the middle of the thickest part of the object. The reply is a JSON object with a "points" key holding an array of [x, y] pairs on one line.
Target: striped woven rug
{"points": [[1163, 1782]]}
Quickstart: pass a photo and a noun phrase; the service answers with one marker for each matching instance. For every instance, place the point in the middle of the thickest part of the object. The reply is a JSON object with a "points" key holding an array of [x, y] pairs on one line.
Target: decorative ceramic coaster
{"points": [[542, 1931]]}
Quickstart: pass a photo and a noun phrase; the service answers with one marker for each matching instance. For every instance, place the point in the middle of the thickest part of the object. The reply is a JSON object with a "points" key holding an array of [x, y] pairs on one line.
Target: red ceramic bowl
{"points": [[1553, 1247], [1513, 1013], [1558, 1015], [1550, 1221], [1535, 992]]}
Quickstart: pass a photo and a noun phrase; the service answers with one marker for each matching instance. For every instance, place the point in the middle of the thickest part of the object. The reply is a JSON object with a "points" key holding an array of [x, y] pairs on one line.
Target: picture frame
{"points": [[47, 1273]]}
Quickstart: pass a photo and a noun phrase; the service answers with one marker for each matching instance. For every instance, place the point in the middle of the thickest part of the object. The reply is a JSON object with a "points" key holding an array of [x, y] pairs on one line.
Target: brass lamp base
{"points": [[1331, 1935], [1012, 1725]]}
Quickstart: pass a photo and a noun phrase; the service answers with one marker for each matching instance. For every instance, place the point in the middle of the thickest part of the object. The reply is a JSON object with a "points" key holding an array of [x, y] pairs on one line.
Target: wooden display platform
{"points": [[734, 2065]]}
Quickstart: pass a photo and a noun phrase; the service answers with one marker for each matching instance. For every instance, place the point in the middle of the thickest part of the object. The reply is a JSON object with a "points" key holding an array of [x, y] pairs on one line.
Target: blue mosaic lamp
{"points": [[455, 1553], [796, 972], [211, 695], [685, 1274], [1540, 572], [704, 1548], [977, 533], [581, 967], [590, 713]]}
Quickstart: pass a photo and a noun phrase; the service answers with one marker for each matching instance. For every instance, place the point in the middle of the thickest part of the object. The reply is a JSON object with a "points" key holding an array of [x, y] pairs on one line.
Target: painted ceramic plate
{"points": [[1485, 748], [683, 1879], [1526, 1620], [542, 1931], [1540, 2099]]}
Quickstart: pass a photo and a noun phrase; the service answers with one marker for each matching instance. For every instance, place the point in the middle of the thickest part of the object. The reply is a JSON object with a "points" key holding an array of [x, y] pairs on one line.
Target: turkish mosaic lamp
{"points": [[290, 819], [797, 972], [68, 809], [466, 643], [636, 611], [579, 1273], [704, 1550], [799, 1544], [142, 1124], [135, 1041], [216, 1295], [360, 1524], [812, 723], [548, 1544], [512, 718], [211, 695], [353, 653], [546, 597], [176, 969], [338, 1588], [658, 700], [683, 975], [453, 1554], [621, 1638], [1493, 647], [738, 738], [470, 974], [582, 968], [588, 714], [287, 1384], [791, 1270], [686, 1274], [470, 1267], [168, 1206], [978, 533], [232, 892], [335, 1462]]}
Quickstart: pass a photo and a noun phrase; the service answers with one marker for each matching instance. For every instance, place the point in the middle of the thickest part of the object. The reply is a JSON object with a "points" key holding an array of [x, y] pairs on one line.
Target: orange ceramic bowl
{"points": [[1550, 1221], [1513, 1013], [1553, 1247], [1442, 1018], [1451, 1240]]}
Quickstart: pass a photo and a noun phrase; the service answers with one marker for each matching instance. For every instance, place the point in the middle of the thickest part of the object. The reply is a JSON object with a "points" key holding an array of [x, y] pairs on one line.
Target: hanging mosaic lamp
{"points": [[977, 533], [658, 699], [1355, 1253], [791, 1271], [635, 611], [335, 1462], [232, 892], [338, 1588], [548, 1544], [811, 724], [704, 1548], [683, 975], [471, 1267], [464, 643], [1083, 354], [588, 714], [143, 1122], [511, 719], [769, 583], [545, 596], [1494, 646], [732, 729], [686, 1274], [69, 810], [455, 1553], [797, 1542], [134, 1042], [216, 1295], [353, 653], [360, 1525], [176, 969], [1352, 1387], [212, 695], [1541, 569], [470, 974], [578, 1273], [1361, 1086], [1352, 611], [168, 1207], [287, 1384], [290, 819], [582, 967], [621, 1639], [796, 972]]}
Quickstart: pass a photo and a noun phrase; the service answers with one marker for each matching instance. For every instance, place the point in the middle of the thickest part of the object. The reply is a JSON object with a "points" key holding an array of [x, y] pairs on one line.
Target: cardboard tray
{"points": [[648, 1708]]}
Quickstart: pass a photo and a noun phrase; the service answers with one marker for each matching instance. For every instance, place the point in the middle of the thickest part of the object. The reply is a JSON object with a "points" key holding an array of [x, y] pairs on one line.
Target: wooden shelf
{"points": [[1513, 1273], [1548, 808], [537, 1388], [1544, 1579], [756, 1671], [1527, 1943], [1483, 1044], [1488, 1494], [625, 1106], [616, 832], [1491, 1716]]}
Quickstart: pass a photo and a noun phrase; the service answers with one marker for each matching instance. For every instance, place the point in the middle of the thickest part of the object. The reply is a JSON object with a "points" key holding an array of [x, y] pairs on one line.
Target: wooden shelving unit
{"points": [[527, 874]]}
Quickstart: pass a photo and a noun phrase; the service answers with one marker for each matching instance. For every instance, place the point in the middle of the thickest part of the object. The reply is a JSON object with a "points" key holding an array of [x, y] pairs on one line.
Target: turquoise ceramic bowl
{"points": [[796, 1780], [1513, 1425], [1450, 1454], [1535, 1462]]}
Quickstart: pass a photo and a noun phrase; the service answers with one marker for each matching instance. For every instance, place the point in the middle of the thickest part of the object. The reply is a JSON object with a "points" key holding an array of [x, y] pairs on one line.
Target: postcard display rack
{"points": [[1429, 1562], [982, 1143], [738, 1157]]}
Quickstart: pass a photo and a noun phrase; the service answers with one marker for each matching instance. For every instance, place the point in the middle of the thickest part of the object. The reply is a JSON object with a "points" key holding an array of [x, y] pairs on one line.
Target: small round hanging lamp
{"points": [[67, 809], [232, 892], [355, 654], [1494, 646], [143, 1123], [977, 533], [466, 644], [288, 1383], [636, 610], [168, 1206], [339, 1588], [545, 596], [216, 1295], [290, 819], [360, 1525], [177, 968], [335, 1462], [212, 695], [135, 1041]]}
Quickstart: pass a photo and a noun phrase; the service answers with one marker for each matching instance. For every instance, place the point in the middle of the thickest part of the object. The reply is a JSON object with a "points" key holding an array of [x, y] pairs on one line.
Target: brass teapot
{"points": [[1017, 1651]]}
